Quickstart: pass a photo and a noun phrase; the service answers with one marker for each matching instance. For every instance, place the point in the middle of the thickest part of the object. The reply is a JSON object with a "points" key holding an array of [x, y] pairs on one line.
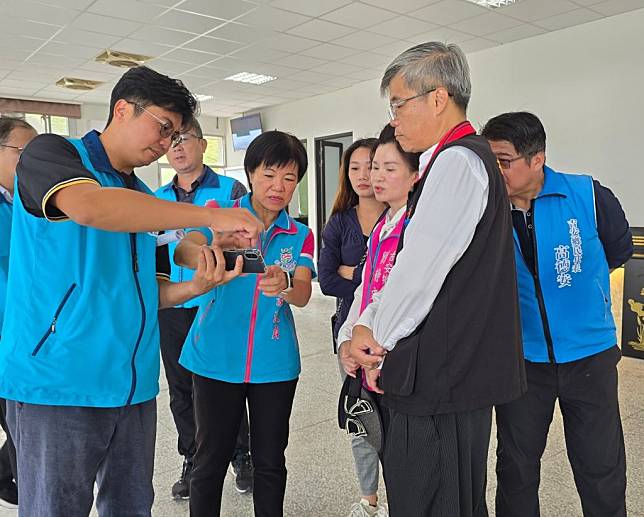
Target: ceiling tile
{"points": [[444, 34], [161, 36], [19, 42], [334, 68], [561, 21], [309, 77], [447, 12], [391, 50], [30, 85], [71, 50], [214, 45], [321, 30], [33, 11], [102, 68], [587, 2], [365, 74], [13, 25], [190, 56], [275, 19], [286, 84], [476, 44], [403, 26], [16, 92], [171, 68], [612, 7], [367, 60], [516, 33], [224, 9], [260, 53], [68, 4], [302, 62], [187, 22], [309, 8], [104, 75], [359, 15], [364, 40], [128, 9], [105, 24], [531, 11], [485, 24], [146, 48], [289, 43], [81, 37], [340, 81], [239, 32], [330, 51], [63, 61], [401, 6], [209, 73]]}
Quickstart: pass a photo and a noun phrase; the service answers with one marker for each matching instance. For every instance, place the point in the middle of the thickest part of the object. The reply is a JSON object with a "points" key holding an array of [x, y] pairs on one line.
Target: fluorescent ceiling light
{"points": [[247, 77], [493, 4], [204, 98]]}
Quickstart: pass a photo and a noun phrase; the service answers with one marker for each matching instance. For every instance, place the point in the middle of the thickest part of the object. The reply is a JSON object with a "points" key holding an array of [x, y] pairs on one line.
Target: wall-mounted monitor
{"points": [[245, 130]]}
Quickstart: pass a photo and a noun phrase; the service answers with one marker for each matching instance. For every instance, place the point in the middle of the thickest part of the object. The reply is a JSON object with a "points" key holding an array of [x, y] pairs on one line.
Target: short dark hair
{"points": [[275, 148], [8, 124], [145, 87], [194, 125], [521, 128], [388, 136], [346, 197]]}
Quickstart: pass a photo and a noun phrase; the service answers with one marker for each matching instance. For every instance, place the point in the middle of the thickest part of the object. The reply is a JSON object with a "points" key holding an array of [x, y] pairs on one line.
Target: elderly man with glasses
{"points": [[194, 183], [569, 232], [445, 329]]}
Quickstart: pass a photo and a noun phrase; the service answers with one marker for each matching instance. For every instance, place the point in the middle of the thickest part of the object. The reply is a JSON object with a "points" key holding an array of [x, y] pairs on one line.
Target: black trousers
{"points": [[587, 393], [436, 466], [218, 409], [174, 324], [8, 469]]}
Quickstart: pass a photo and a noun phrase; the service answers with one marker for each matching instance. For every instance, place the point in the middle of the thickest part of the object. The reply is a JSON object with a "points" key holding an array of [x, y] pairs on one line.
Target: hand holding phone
{"points": [[253, 260]]}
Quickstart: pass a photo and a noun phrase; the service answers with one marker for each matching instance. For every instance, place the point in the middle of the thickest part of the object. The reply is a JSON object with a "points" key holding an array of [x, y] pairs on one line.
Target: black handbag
{"points": [[358, 412], [334, 320]]}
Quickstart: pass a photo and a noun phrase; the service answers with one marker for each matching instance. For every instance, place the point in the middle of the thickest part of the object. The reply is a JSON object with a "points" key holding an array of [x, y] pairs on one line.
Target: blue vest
{"points": [[81, 326], [6, 209], [240, 335], [572, 272], [213, 187]]}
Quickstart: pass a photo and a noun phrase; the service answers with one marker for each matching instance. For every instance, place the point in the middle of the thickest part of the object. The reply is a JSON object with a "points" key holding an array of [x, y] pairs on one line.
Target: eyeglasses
{"points": [[165, 128], [19, 149], [186, 137], [506, 164], [393, 106]]}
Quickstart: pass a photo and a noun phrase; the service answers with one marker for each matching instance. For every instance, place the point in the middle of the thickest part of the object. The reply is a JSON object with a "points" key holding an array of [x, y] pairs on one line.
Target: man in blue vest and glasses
{"points": [[79, 357], [194, 183], [569, 233]]}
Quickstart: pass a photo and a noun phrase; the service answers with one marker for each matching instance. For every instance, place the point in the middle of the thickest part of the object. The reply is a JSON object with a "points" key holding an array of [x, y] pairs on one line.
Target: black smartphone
{"points": [[253, 260]]}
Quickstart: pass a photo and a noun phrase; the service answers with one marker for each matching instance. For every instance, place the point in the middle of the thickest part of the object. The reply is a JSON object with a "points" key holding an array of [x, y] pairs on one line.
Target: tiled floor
{"points": [[321, 480]]}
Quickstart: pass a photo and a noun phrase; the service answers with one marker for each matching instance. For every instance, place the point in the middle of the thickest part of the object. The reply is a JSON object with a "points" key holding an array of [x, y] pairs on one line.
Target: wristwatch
{"points": [[289, 283]]}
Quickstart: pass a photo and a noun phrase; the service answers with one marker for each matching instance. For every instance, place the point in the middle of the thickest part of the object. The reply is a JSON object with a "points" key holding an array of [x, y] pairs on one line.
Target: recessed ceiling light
{"points": [[247, 77], [78, 84], [121, 59], [203, 98], [492, 4]]}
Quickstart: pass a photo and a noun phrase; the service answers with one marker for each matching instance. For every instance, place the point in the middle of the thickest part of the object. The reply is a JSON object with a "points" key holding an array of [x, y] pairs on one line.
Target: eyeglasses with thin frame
{"points": [[165, 128], [186, 137], [393, 106], [507, 163], [19, 149]]}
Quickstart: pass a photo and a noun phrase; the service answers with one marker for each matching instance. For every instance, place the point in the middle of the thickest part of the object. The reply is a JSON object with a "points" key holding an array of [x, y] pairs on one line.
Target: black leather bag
{"points": [[358, 412]]}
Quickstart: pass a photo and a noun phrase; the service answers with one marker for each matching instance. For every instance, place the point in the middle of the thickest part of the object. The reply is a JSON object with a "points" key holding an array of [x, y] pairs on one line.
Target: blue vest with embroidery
{"points": [[213, 187], [81, 328], [6, 210], [572, 271]]}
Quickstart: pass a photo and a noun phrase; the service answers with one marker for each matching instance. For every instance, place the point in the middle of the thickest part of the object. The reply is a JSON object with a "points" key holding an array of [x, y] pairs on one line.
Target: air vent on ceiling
{"points": [[122, 59], [78, 84]]}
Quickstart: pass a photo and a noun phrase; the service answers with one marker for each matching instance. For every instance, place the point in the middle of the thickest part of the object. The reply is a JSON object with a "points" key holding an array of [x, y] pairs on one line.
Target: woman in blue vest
{"points": [[243, 346]]}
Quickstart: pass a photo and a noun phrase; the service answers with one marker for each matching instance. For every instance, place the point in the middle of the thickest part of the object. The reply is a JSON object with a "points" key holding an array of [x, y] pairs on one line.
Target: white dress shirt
{"points": [[449, 209]]}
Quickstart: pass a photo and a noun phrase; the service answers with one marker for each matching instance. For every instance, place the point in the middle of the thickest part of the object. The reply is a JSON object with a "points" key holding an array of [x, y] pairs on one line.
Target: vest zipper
{"points": [[52, 327], [537, 286]]}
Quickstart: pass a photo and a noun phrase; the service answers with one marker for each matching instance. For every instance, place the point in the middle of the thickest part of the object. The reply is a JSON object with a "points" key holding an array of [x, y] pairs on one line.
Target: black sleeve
{"points": [[48, 164], [238, 190], [612, 226], [163, 262]]}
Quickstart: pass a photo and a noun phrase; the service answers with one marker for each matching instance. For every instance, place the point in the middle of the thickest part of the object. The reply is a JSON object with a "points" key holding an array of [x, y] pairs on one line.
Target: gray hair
{"points": [[430, 65], [195, 126], [8, 124]]}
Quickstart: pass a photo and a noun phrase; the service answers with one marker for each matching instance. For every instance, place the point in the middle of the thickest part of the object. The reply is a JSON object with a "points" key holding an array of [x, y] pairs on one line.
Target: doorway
{"points": [[328, 154]]}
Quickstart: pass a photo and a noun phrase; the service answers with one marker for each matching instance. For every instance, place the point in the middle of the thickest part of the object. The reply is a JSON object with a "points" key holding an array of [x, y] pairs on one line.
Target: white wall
{"points": [[94, 116], [585, 83]]}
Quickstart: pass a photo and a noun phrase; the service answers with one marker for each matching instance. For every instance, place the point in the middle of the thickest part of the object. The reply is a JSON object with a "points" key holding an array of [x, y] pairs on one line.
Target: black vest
{"points": [[467, 353]]}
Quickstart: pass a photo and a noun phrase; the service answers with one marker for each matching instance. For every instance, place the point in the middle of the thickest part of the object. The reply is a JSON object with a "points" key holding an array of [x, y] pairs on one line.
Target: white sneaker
{"points": [[364, 509]]}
